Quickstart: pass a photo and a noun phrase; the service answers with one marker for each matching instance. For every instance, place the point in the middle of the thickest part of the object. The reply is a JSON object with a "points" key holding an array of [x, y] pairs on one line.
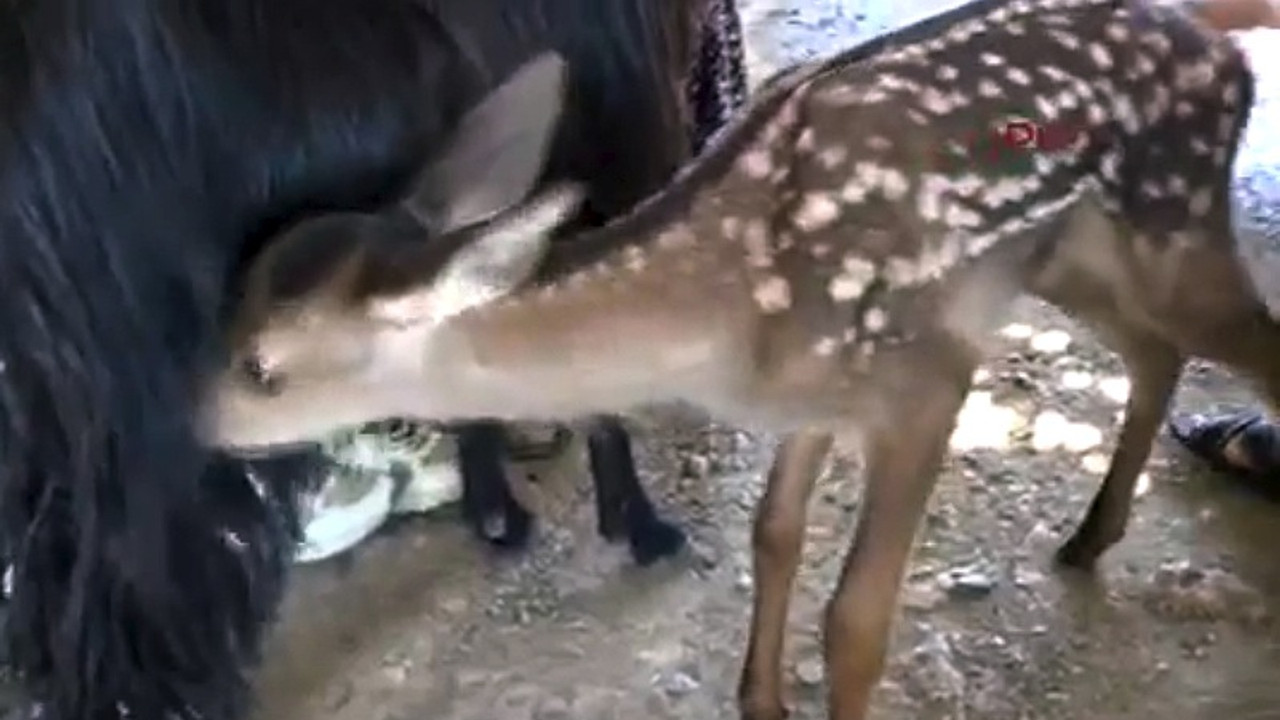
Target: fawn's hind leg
{"points": [[777, 539], [1153, 367], [903, 458]]}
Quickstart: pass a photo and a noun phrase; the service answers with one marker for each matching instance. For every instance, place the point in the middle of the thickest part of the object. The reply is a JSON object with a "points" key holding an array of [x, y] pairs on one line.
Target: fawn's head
{"points": [[338, 315]]}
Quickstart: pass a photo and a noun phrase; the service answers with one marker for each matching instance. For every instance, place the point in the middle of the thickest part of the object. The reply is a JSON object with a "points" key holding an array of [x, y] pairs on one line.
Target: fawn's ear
{"points": [[501, 258], [498, 153]]}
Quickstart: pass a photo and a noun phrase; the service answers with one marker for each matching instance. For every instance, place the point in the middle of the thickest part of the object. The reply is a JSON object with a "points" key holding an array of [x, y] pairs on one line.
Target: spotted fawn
{"points": [[809, 276]]}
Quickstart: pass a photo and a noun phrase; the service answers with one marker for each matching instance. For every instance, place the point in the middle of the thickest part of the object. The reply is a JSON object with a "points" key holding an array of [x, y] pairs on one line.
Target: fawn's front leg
{"points": [[903, 456], [777, 539]]}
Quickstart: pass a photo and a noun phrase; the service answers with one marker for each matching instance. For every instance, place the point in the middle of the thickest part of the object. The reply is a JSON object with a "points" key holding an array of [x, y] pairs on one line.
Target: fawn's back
{"points": [[877, 239]]}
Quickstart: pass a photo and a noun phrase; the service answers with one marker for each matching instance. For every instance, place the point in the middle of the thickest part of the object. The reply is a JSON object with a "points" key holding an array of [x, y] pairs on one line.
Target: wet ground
{"points": [[421, 624]]}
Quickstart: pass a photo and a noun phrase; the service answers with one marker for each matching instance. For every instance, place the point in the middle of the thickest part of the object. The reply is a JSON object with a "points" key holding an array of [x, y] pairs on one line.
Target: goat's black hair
{"points": [[146, 149]]}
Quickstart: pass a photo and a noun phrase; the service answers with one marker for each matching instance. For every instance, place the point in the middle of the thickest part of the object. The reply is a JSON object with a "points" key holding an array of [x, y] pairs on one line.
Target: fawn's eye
{"points": [[263, 378]]}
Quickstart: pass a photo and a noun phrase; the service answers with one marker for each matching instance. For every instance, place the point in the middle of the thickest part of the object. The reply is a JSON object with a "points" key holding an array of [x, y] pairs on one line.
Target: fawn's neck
{"points": [[646, 309]]}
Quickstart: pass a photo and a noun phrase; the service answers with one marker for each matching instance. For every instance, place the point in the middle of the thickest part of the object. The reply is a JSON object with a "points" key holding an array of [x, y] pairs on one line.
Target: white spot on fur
{"points": [[991, 59], [826, 347], [730, 227], [855, 191], [879, 143], [755, 237], [988, 88], [929, 196], [1065, 39], [1143, 65], [756, 164], [677, 236], [876, 320], [959, 216], [1191, 76], [1018, 76], [832, 157], [1201, 202], [635, 258], [855, 274], [772, 295], [894, 183], [1096, 113], [1101, 56], [816, 211], [935, 101], [1055, 73], [806, 142]]}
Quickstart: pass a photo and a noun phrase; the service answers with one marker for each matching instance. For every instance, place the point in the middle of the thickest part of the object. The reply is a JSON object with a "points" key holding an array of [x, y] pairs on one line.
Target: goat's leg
{"points": [[1154, 367], [487, 503], [903, 457], [777, 539], [622, 506]]}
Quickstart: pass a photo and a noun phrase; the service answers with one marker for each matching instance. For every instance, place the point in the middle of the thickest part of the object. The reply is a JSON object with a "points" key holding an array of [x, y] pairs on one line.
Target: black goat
{"points": [[147, 147]]}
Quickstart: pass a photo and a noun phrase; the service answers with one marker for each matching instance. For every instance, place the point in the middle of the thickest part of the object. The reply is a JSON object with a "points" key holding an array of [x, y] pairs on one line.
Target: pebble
{"points": [[677, 683], [553, 708], [968, 583], [810, 671], [933, 669], [1050, 342]]}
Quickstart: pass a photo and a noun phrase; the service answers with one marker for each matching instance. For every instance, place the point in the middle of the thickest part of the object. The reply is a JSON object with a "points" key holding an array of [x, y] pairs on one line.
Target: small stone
{"points": [[397, 674], [678, 683], [1025, 577], [810, 671], [1050, 342], [697, 466], [968, 583], [933, 669], [339, 696], [553, 708], [920, 596], [456, 605]]}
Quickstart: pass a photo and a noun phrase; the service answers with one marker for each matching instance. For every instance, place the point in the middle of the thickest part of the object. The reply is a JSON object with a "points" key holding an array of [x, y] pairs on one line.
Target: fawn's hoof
{"points": [[763, 711], [655, 540], [1079, 554]]}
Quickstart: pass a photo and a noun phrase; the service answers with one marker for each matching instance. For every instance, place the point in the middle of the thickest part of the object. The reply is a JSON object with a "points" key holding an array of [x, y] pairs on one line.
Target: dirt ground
{"points": [[421, 624]]}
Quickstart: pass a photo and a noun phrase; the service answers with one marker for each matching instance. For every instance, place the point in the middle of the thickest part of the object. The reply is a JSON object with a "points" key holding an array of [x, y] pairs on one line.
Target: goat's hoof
{"points": [[506, 531], [613, 529], [656, 540]]}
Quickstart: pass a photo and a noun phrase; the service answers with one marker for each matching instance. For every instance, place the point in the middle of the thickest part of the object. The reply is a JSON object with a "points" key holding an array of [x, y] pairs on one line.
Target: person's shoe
{"points": [[1244, 445]]}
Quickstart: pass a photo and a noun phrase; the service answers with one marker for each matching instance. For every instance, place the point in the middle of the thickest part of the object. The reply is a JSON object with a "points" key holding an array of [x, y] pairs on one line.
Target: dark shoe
{"points": [[1250, 434]]}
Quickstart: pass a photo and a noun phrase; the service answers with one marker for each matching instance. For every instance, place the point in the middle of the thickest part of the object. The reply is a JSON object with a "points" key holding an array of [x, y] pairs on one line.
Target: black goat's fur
{"points": [[146, 149]]}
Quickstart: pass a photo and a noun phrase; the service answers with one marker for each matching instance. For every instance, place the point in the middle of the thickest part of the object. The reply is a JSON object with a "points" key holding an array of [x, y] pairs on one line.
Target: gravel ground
{"points": [[421, 623]]}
